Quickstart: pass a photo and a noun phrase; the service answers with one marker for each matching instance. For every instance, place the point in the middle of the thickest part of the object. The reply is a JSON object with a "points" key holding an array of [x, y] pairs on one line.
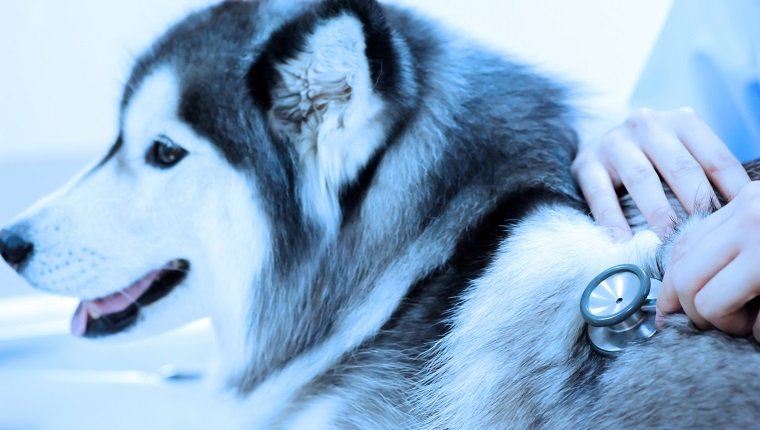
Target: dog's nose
{"points": [[14, 249]]}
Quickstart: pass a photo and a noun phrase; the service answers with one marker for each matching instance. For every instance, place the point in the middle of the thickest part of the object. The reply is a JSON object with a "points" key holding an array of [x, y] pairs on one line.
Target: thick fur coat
{"points": [[379, 218]]}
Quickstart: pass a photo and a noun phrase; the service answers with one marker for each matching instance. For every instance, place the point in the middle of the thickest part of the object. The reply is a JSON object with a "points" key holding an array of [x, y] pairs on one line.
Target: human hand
{"points": [[678, 145], [713, 273]]}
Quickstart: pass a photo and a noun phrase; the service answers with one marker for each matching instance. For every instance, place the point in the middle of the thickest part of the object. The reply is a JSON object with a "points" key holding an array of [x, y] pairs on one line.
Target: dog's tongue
{"points": [[111, 304]]}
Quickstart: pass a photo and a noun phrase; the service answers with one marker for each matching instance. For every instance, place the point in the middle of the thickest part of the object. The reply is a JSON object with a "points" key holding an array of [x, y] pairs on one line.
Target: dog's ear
{"points": [[323, 81]]}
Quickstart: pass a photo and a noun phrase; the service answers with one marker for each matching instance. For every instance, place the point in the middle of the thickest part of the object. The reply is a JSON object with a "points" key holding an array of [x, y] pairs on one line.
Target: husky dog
{"points": [[380, 220]]}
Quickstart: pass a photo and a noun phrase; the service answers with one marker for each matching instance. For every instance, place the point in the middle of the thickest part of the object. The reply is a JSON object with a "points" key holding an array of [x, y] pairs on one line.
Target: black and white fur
{"points": [[382, 225]]}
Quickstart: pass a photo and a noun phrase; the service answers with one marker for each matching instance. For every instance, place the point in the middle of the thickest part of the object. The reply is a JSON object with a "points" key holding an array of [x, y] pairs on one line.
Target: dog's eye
{"points": [[165, 154]]}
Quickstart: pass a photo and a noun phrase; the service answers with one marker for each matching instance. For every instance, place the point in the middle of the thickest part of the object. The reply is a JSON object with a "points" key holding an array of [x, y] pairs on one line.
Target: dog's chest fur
{"points": [[383, 226]]}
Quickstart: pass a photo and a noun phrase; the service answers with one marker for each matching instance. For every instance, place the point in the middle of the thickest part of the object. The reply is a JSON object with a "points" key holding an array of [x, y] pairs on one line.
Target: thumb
{"points": [[667, 298]]}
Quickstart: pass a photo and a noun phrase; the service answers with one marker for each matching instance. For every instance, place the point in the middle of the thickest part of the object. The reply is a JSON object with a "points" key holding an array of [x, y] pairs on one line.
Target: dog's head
{"points": [[239, 131]]}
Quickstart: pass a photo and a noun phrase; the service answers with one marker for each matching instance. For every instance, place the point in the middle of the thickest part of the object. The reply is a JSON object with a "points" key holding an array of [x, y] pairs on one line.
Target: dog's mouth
{"points": [[118, 311]]}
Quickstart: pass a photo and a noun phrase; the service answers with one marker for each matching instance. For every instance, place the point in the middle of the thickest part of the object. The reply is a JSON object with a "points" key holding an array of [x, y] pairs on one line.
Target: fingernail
{"points": [[665, 231], [659, 320]]}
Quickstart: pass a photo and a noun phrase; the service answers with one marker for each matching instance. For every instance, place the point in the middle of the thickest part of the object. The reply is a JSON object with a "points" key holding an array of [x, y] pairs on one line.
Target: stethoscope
{"points": [[619, 308]]}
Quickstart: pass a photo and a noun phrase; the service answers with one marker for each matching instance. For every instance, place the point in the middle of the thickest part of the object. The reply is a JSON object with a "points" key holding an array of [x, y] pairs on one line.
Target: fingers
{"points": [[677, 165], [667, 299], [695, 234], [599, 192], [720, 165], [713, 274], [643, 184], [756, 328], [695, 259], [722, 300], [678, 145], [689, 246], [687, 277]]}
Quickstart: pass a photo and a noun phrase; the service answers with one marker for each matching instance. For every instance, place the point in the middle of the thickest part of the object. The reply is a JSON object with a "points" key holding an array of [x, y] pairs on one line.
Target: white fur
{"points": [[546, 247], [318, 414], [126, 218], [551, 255], [326, 100], [272, 399], [115, 223], [190, 210]]}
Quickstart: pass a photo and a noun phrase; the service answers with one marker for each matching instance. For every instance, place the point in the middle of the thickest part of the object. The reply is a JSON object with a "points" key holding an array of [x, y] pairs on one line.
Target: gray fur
{"points": [[437, 177], [681, 378], [434, 270]]}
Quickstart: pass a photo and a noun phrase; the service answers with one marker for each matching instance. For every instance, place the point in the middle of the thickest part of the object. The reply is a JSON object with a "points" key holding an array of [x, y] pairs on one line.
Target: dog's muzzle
{"points": [[14, 249], [119, 310]]}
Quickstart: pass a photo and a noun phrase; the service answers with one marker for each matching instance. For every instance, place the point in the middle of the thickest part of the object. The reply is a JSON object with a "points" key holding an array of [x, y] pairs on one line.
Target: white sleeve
{"points": [[708, 57]]}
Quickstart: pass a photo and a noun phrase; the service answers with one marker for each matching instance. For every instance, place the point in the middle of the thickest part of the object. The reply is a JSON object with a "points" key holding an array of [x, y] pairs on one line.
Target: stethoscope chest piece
{"points": [[619, 308]]}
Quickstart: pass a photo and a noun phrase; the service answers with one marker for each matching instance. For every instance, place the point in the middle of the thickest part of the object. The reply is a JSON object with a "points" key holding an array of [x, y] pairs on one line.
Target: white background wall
{"points": [[63, 62]]}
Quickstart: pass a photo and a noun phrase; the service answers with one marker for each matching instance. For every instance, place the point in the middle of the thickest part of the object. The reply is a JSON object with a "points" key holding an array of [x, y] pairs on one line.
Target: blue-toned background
{"points": [[62, 67]]}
